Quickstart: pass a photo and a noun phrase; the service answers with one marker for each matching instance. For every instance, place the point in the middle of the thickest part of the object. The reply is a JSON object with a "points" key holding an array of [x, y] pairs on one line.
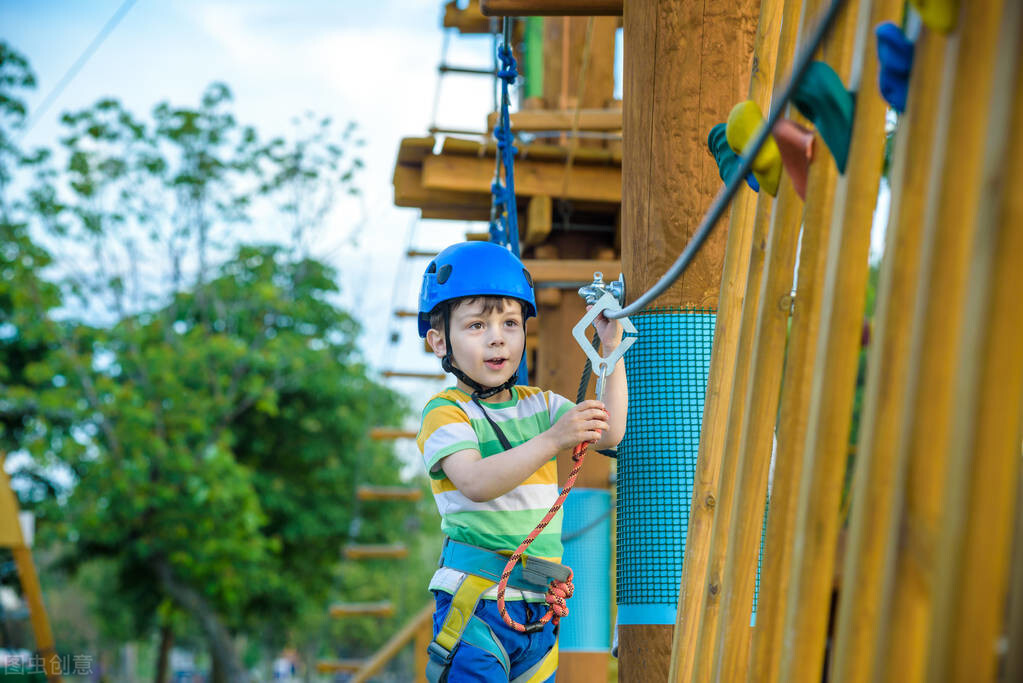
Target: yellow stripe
{"points": [[547, 474], [548, 667]]}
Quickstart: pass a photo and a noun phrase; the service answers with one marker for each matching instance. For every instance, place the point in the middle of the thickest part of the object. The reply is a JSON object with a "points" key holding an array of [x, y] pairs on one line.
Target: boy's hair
{"points": [[490, 303]]}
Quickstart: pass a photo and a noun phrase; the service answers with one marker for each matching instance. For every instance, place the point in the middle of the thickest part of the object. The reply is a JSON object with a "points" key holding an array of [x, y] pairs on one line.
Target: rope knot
{"points": [[557, 595]]}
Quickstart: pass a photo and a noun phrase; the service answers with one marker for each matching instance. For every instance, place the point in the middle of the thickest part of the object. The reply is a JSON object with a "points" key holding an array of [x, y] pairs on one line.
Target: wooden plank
{"points": [[531, 152], [774, 40], [861, 611], [412, 150], [387, 433], [949, 227], [362, 609], [469, 19], [337, 666], [460, 213], [538, 220], [536, 120], [972, 589], [838, 345], [412, 375], [393, 551], [570, 270], [678, 84], [366, 492], [468, 174], [410, 192], [551, 8]]}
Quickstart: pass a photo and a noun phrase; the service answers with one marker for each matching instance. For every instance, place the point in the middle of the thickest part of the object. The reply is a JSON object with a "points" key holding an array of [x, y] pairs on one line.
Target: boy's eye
{"points": [[476, 326], [511, 323]]}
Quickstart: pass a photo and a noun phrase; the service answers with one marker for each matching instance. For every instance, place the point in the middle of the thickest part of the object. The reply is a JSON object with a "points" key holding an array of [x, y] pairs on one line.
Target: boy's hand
{"points": [[609, 331], [586, 422]]}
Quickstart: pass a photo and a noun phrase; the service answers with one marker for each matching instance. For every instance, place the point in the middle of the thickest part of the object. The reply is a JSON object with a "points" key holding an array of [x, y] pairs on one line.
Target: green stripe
{"points": [[505, 530]]}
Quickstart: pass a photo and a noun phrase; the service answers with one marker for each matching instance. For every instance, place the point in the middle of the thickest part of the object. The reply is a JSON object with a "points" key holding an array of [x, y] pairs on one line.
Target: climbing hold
{"points": [[727, 160], [795, 144], [744, 122], [939, 15], [822, 98], [895, 53]]}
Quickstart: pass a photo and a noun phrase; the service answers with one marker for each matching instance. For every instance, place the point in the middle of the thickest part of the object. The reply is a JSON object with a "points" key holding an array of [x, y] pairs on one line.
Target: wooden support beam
{"points": [[468, 20], [415, 253], [387, 433], [861, 613], [409, 191], [740, 289], [362, 609], [570, 270], [972, 585], [458, 213], [551, 8], [473, 175], [676, 87], [402, 313], [406, 493], [536, 120], [394, 551], [958, 188], [838, 347], [538, 220], [477, 236], [338, 666], [412, 375]]}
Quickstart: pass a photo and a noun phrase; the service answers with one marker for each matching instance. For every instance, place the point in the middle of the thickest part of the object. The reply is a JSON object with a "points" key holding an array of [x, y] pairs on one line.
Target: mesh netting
{"points": [[667, 369]]}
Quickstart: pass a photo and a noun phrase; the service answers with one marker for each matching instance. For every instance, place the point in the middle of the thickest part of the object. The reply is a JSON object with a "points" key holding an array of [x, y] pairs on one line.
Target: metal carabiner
{"points": [[603, 365]]}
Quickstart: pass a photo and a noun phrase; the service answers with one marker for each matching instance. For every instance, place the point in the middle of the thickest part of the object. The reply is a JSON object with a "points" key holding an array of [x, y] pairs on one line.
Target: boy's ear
{"points": [[436, 341]]}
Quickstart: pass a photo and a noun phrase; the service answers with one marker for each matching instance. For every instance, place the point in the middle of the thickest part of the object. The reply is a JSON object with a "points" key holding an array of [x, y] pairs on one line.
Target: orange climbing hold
{"points": [[795, 144]]}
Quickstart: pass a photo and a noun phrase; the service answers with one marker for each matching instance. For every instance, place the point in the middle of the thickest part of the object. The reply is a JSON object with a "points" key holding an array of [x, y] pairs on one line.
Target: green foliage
{"points": [[205, 397]]}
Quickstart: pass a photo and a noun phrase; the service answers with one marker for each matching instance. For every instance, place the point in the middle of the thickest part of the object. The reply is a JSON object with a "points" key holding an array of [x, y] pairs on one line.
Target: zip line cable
{"points": [[77, 65], [725, 195]]}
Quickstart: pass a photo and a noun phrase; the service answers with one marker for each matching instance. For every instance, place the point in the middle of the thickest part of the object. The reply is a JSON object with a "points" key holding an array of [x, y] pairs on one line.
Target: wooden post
{"points": [[873, 517], [971, 587], [838, 345], [949, 228], [684, 69], [769, 43], [27, 575]]}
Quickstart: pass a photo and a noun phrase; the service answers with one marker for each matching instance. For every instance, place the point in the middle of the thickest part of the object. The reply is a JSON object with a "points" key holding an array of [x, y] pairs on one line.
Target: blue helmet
{"points": [[473, 269]]}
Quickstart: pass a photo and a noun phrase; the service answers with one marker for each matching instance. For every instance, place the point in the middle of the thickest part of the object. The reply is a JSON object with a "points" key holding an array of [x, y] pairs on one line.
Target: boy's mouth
{"points": [[495, 363]]}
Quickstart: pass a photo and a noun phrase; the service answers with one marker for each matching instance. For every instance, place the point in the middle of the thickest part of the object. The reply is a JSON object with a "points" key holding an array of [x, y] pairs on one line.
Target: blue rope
{"points": [[504, 219]]}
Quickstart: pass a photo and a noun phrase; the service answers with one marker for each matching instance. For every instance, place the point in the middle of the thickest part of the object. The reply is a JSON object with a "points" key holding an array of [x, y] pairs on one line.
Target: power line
{"points": [[78, 64]]}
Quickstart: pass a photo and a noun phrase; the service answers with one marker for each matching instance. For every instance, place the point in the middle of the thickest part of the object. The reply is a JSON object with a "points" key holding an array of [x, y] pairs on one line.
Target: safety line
{"points": [[725, 195]]}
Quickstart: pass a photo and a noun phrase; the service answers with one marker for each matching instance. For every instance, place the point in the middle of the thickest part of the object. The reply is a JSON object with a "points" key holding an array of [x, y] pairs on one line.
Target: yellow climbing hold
{"points": [[744, 122], [938, 15]]}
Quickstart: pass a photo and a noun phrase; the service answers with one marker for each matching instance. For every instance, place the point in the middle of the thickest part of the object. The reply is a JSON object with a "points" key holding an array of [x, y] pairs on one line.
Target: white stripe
{"points": [[448, 435], [531, 497], [525, 407]]}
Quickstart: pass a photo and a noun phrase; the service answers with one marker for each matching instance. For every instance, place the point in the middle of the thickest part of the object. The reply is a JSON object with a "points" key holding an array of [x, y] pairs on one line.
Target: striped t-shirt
{"points": [[452, 423]]}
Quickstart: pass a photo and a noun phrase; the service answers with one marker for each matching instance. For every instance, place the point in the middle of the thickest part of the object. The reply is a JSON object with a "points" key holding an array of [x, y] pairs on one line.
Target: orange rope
{"points": [[558, 591]]}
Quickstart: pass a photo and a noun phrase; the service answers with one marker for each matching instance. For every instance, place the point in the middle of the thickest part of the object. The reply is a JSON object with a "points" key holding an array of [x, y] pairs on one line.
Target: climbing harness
{"points": [[559, 591]]}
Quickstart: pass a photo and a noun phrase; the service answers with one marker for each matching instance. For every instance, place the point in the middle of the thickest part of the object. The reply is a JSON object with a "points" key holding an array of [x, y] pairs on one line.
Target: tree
{"points": [[217, 403]]}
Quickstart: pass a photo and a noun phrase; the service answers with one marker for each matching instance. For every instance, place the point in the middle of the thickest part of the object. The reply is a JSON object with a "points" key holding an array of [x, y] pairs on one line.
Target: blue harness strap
{"points": [[529, 574]]}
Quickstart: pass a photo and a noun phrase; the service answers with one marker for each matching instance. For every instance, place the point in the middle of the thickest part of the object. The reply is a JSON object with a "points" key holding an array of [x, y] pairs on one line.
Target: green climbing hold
{"points": [[744, 122], [821, 97], [728, 161]]}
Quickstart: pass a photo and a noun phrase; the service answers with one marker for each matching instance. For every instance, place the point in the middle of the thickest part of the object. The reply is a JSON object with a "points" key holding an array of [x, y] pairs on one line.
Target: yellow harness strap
{"points": [[463, 604]]}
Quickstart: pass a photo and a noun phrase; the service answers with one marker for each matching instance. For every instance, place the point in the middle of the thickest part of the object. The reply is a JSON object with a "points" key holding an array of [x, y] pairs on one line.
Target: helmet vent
{"points": [[432, 268], [444, 273], [529, 278]]}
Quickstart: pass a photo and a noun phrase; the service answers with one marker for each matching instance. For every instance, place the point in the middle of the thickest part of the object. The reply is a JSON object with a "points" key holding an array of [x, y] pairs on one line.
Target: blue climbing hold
{"points": [[727, 160], [895, 53]]}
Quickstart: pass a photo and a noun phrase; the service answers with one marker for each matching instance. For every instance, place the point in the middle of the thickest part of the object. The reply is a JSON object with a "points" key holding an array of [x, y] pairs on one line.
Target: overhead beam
{"points": [[531, 120], [412, 375], [473, 174], [551, 8], [569, 270], [468, 20], [410, 192]]}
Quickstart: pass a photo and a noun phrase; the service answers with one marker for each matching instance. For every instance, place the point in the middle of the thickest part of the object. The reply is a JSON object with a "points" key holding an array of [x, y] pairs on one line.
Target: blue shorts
{"points": [[469, 663]]}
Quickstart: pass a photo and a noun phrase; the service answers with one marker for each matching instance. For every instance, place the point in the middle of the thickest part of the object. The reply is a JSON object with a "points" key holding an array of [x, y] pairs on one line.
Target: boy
{"points": [[489, 447]]}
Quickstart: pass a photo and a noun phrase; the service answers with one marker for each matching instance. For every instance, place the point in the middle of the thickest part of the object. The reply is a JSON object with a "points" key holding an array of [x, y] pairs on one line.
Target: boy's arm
{"points": [[481, 479], [616, 402]]}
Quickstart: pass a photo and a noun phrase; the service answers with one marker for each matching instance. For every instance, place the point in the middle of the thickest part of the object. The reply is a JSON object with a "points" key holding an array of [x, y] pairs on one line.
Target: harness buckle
{"points": [[541, 572], [437, 652]]}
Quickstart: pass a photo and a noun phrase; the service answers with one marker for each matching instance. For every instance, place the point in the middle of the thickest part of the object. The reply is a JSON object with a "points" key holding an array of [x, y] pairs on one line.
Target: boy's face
{"points": [[485, 345]]}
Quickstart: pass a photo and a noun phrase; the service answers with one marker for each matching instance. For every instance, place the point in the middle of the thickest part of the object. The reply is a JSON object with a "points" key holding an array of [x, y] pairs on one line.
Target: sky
{"points": [[374, 63]]}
